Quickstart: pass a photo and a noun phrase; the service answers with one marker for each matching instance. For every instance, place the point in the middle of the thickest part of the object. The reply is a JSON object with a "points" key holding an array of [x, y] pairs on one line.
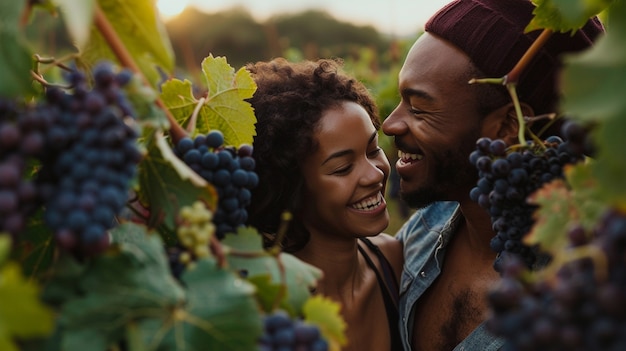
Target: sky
{"points": [[395, 17]]}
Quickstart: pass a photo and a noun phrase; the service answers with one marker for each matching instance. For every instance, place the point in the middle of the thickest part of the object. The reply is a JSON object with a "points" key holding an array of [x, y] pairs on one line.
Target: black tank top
{"points": [[389, 287]]}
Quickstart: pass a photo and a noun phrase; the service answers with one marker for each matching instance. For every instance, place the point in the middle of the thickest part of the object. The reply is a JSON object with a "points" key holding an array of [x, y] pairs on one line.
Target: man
{"points": [[449, 263]]}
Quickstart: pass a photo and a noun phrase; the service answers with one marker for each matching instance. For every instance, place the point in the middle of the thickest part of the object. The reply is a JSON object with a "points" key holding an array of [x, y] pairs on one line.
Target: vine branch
{"points": [[122, 54], [511, 79], [531, 52]]}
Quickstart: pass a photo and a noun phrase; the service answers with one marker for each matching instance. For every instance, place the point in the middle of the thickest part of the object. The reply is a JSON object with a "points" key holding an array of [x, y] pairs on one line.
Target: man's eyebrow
{"points": [[416, 92]]}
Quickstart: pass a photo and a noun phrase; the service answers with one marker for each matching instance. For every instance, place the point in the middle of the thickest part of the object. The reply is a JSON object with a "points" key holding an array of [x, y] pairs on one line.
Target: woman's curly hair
{"points": [[289, 102]]}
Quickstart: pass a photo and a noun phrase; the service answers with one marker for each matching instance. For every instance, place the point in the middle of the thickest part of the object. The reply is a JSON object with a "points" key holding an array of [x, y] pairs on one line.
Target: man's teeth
{"points": [[406, 156], [369, 203]]}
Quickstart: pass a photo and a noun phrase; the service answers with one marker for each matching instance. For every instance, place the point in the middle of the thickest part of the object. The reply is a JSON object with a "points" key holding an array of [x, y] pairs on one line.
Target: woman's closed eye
{"points": [[342, 170], [374, 153]]}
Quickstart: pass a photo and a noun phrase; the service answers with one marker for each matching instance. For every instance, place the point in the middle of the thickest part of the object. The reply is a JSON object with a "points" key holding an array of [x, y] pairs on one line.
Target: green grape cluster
{"points": [[195, 231]]}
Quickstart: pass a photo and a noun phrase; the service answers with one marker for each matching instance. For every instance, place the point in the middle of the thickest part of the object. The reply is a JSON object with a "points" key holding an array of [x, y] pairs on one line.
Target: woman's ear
{"points": [[502, 123]]}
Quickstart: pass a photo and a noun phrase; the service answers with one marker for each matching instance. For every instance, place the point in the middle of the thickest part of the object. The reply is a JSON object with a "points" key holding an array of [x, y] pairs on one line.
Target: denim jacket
{"points": [[425, 237]]}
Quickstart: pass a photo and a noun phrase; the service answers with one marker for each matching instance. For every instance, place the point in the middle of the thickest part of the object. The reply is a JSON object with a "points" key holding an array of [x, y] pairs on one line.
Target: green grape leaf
{"points": [[556, 210], [142, 98], [142, 33], [178, 97], [610, 166], [221, 314], [10, 13], [592, 79], [593, 82], [564, 15], [247, 240], [267, 293], [223, 108], [325, 313], [15, 56], [299, 276], [129, 282], [35, 248], [166, 183], [78, 17], [22, 314], [5, 247], [46, 5], [63, 285]]}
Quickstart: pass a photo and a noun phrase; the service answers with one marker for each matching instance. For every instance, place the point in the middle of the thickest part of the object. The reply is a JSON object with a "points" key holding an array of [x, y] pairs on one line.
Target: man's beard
{"points": [[453, 174]]}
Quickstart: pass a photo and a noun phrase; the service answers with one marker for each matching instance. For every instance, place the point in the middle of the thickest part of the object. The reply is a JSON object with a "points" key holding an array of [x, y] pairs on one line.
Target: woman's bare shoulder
{"points": [[384, 240], [391, 248]]}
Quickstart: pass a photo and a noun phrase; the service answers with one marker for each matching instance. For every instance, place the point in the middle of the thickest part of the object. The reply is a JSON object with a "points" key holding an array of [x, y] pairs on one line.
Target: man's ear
{"points": [[502, 123]]}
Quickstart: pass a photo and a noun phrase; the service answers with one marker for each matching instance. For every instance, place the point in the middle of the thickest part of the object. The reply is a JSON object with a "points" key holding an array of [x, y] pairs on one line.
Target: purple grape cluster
{"points": [[89, 160], [583, 307], [507, 177], [19, 143], [282, 333], [230, 170]]}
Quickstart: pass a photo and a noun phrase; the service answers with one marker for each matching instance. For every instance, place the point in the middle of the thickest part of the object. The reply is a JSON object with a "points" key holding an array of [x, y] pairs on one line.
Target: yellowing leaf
{"points": [[555, 212], [21, 312], [325, 313], [223, 108], [139, 28]]}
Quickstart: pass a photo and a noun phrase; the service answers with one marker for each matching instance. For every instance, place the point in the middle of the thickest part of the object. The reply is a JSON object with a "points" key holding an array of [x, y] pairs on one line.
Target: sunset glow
{"points": [[171, 8]]}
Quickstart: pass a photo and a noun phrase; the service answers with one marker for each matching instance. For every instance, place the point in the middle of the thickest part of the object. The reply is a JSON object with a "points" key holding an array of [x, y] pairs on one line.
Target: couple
{"points": [[318, 157]]}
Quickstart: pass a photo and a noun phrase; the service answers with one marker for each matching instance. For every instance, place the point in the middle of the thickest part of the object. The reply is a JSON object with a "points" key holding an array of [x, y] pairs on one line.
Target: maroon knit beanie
{"points": [[491, 32]]}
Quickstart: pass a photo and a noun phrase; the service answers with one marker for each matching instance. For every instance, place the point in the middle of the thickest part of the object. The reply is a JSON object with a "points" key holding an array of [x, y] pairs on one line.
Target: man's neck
{"points": [[477, 228]]}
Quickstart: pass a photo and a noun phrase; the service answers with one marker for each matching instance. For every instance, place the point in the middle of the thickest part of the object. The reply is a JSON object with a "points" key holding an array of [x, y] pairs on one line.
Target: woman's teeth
{"points": [[369, 203]]}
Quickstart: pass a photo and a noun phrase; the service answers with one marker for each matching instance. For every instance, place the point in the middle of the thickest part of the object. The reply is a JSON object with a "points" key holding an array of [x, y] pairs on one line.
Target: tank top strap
{"points": [[390, 293]]}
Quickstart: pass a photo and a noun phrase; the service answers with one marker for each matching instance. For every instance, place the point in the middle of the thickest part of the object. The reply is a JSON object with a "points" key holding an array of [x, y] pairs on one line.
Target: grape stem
{"points": [[122, 54], [194, 116], [218, 251], [511, 79], [53, 61], [36, 76], [518, 112]]}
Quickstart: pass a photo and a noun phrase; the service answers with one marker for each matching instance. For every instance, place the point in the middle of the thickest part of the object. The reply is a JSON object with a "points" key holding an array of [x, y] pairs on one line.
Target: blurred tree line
{"points": [[239, 37]]}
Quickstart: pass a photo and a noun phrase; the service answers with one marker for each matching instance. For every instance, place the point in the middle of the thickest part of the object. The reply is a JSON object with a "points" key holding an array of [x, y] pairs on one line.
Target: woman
{"points": [[318, 157]]}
